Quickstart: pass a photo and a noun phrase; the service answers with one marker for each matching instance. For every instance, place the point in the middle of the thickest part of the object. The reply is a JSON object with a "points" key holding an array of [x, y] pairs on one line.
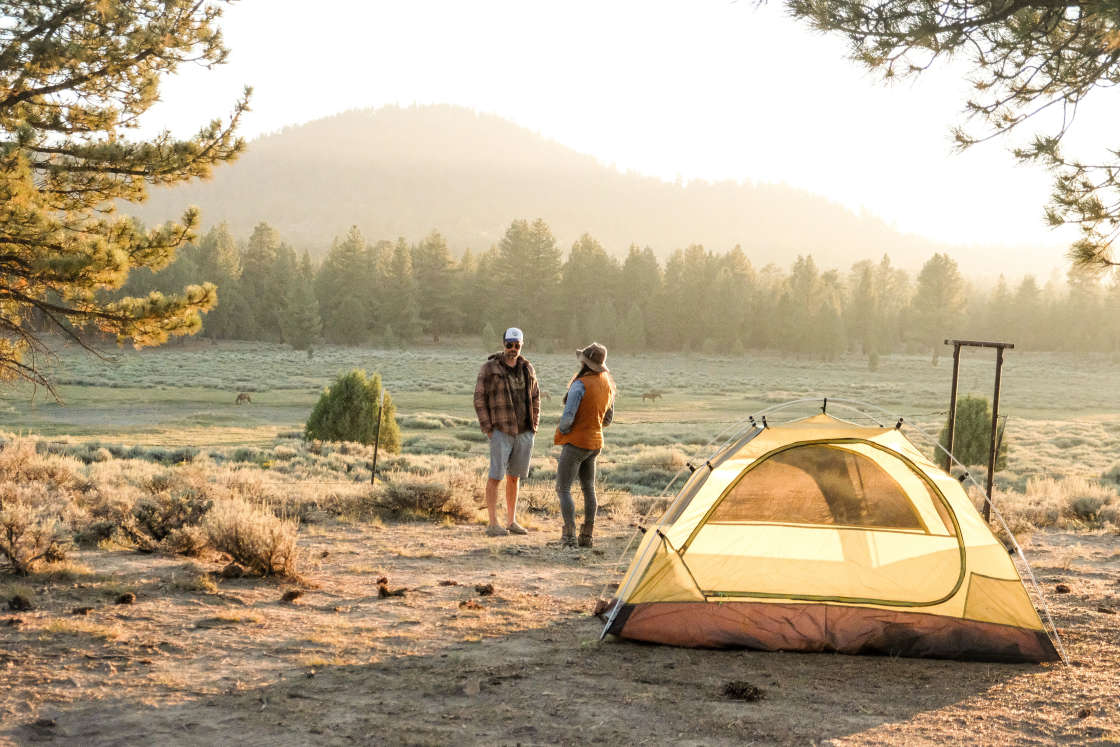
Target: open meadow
{"points": [[382, 614]]}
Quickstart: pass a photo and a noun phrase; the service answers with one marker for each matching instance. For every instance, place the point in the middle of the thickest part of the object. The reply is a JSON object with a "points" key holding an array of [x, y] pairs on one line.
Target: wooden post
{"points": [[953, 405], [377, 438], [992, 456]]}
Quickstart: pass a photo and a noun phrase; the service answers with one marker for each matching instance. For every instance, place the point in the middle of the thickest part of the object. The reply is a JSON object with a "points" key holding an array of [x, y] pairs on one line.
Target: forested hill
{"points": [[406, 171]]}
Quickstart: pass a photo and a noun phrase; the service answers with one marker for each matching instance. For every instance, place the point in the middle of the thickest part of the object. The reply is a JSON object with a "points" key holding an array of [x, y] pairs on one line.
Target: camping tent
{"points": [[824, 535]]}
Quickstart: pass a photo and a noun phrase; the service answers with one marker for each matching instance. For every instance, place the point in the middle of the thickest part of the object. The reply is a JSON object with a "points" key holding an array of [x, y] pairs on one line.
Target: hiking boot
{"points": [[494, 530], [516, 528], [585, 535], [568, 541]]}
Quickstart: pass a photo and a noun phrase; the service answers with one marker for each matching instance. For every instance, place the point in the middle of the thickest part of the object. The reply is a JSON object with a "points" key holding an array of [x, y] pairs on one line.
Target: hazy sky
{"points": [[702, 89]]}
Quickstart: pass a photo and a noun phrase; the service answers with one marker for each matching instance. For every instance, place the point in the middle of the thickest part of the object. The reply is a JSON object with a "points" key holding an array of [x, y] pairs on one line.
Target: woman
{"points": [[588, 407]]}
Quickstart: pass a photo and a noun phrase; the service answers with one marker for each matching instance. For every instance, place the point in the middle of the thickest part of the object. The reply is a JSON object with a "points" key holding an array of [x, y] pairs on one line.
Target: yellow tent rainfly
{"points": [[824, 535]]}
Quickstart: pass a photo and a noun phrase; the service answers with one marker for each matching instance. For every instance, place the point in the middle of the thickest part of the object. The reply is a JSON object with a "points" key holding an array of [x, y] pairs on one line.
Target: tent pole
{"points": [[953, 403]]}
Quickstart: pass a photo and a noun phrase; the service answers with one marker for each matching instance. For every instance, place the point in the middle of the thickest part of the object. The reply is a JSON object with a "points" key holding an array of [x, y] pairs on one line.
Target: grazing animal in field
{"points": [[651, 395], [243, 398]]}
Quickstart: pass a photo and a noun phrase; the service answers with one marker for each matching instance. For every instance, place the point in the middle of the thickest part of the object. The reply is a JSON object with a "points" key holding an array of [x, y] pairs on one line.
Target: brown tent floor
{"points": [[827, 627]]}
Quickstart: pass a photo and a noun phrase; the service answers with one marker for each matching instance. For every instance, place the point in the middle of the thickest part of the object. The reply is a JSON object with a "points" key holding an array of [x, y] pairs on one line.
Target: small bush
{"points": [[660, 456], [425, 497], [185, 540], [972, 441], [20, 462], [1112, 474], [1087, 508], [435, 443], [31, 530], [153, 519], [539, 497], [421, 421], [617, 504], [1069, 503], [348, 411], [650, 505], [253, 536]]}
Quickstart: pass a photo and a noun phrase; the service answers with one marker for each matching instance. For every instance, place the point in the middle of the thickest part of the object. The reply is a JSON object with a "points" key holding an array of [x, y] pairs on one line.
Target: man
{"points": [[508, 402]]}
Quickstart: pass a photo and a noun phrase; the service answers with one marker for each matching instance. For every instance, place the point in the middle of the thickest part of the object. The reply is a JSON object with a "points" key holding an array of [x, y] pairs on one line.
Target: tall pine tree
{"points": [[434, 273], [528, 278], [77, 76], [300, 321]]}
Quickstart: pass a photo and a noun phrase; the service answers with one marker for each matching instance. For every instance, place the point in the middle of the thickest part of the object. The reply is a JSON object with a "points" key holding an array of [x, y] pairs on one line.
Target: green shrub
{"points": [[972, 441], [348, 410]]}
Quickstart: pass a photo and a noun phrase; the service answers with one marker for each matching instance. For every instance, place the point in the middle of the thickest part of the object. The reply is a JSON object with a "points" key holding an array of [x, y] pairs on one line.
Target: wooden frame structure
{"points": [[1000, 347]]}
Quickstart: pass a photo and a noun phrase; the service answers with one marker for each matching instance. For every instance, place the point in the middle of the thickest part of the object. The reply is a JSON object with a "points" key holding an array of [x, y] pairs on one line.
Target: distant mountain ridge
{"points": [[406, 171]]}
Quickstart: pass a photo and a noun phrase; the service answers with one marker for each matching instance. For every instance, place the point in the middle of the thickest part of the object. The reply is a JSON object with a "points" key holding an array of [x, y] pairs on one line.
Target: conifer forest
{"points": [[366, 290]]}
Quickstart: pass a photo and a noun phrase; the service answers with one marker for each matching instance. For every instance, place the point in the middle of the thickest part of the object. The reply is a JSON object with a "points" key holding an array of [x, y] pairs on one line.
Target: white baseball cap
{"points": [[513, 333]]}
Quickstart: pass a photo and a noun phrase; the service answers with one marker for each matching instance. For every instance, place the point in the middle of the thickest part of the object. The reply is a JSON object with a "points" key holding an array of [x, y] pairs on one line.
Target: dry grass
{"points": [[33, 527], [79, 627], [1076, 503], [192, 578], [253, 536], [443, 661], [445, 494]]}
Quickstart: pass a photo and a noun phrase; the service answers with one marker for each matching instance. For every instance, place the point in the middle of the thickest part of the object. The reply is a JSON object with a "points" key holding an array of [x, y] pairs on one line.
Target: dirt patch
{"points": [[443, 663]]}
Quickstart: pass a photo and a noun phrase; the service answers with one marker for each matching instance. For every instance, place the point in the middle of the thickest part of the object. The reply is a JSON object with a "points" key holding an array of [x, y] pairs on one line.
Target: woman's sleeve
{"points": [[568, 417]]}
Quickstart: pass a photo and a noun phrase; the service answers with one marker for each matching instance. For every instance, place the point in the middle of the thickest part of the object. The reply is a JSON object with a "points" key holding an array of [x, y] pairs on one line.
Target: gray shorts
{"points": [[509, 455]]}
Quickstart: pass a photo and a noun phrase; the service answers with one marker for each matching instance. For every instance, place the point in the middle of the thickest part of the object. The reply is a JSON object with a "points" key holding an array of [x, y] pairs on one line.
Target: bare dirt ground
{"points": [[199, 659]]}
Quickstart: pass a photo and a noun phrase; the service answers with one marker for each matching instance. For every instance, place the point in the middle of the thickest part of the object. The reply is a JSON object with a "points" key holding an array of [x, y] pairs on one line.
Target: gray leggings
{"points": [[575, 460]]}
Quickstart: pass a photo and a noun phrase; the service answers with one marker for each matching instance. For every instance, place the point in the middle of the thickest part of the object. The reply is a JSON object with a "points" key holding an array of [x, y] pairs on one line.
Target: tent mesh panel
{"points": [[817, 484]]}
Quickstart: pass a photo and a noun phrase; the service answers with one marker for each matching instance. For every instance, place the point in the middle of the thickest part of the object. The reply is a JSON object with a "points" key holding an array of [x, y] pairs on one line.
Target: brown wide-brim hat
{"points": [[594, 356]]}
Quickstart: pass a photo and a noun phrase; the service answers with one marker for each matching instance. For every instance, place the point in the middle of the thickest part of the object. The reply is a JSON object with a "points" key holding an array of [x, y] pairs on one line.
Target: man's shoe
{"points": [[516, 528], [495, 530], [585, 540], [567, 541]]}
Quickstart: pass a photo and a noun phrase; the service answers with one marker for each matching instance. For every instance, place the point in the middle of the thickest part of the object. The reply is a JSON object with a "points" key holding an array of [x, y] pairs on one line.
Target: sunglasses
{"points": [[512, 345]]}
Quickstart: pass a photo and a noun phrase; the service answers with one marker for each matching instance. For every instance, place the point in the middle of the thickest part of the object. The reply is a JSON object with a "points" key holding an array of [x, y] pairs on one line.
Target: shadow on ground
{"points": [[551, 685]]}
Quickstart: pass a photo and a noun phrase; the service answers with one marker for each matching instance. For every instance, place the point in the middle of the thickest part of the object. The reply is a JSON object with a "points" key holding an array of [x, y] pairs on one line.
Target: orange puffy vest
{"points": [[587, 429]]}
